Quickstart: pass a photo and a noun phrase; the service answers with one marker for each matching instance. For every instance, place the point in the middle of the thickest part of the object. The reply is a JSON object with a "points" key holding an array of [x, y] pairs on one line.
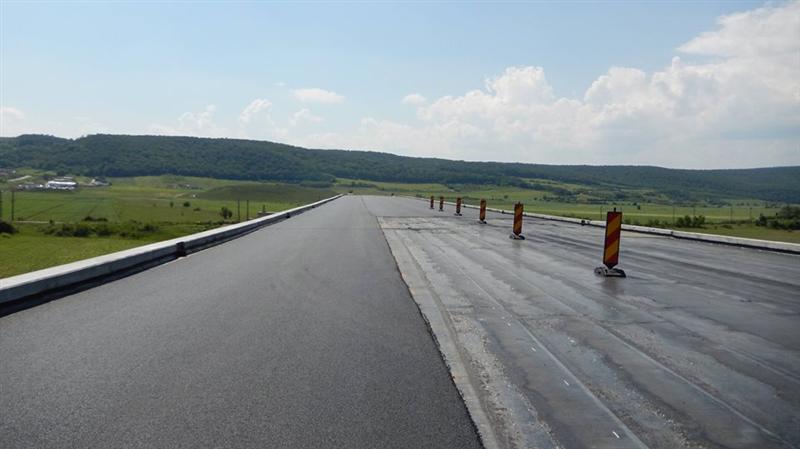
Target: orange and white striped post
{"points": [[517, 229], [431, 201], [482, 214], [611, 246], [458, 207], [441, 204]]}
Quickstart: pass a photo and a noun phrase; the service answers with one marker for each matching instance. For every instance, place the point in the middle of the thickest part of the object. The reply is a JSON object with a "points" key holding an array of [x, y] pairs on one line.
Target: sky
{"points": [[671, 83]]}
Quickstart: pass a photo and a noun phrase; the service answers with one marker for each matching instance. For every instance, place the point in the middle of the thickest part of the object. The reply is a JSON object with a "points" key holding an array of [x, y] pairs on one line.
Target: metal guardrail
{"points": [[64, 276], [783, 247]]}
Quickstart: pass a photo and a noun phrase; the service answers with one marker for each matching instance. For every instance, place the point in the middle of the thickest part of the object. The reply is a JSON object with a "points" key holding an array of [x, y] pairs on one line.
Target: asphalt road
{"points": [[300, 335], [698, 348]]}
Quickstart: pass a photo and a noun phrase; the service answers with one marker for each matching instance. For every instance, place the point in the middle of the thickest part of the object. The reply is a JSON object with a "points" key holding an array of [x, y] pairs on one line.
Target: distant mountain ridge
{"points": [[123, 155]]}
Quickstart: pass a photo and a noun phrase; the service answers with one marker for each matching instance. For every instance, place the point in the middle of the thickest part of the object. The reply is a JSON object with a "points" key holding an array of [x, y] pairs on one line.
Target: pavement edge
{"points": [[423, 296]]}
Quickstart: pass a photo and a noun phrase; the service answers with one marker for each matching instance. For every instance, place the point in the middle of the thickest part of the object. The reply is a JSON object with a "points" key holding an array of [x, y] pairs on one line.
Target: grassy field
{"points": [[140, 210], [733, 219], [170, 206]]}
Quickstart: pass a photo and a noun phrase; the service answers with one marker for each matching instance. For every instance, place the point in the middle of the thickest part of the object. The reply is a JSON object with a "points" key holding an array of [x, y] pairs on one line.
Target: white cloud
{"points": [[11, 121], [414, 99], [317, 95], [253, 109], [256, 121], [304, 116], [200, 124], [736, 104]]}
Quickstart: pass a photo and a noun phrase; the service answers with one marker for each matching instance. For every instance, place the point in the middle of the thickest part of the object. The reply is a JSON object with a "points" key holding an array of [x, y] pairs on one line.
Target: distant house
{"points": [[61, 184], [99, 182]]}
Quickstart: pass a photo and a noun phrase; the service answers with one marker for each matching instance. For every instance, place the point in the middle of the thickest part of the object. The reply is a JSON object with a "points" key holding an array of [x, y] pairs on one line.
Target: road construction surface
{"points": [[698, 347], [299, 335], [304, 334]]}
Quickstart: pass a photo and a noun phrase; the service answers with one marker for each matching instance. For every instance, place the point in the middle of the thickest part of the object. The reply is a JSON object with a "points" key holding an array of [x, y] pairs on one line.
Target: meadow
{"points": [[56, 227]]}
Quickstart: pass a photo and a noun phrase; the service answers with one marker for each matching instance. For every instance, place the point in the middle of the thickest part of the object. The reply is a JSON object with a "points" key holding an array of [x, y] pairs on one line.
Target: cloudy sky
{"points": [[677, 84]]}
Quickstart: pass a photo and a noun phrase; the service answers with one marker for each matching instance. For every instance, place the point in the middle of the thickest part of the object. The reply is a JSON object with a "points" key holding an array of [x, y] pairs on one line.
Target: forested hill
{"points": [[117, 155]]}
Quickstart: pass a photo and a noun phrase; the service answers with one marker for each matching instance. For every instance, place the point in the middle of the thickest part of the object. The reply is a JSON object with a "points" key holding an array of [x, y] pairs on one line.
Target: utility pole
{"points": [[238, 211]]}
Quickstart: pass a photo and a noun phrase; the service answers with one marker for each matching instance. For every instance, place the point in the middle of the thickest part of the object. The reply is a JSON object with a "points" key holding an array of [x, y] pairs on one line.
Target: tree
{"points": [[226, 213]]}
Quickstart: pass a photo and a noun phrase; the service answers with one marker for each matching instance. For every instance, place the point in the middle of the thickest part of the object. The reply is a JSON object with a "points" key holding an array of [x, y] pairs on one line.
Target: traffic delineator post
{"points": [[611, 245], [441, 204], [458, 207], [517, 229], [431, 201], [482, 214]]}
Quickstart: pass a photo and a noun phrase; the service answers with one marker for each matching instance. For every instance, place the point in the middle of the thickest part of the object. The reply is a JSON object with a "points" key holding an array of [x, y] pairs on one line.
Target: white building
{"points": [[61, 185]]}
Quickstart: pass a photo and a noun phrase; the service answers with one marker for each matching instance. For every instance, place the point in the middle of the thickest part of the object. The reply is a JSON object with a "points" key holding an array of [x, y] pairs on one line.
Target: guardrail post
{"points": [[482, 214], [517, 229], [441, 204], [611, 245], [458, 207]]}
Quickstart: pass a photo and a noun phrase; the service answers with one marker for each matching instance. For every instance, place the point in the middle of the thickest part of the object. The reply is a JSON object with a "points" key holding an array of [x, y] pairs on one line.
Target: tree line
{"points": [[123, 155]]}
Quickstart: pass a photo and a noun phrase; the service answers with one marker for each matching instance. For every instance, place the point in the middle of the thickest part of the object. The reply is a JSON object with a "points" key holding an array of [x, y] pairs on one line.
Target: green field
{"points": [[736, 218], [123, 211], [140, 210]]}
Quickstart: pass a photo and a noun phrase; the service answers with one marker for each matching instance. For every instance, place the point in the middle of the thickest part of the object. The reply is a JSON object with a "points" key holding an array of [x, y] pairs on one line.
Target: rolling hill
{"points": [[122, 155]]}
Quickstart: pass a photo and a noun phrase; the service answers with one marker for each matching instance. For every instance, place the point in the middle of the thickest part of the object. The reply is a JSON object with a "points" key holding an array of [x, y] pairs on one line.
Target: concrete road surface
{"points": [[698, 348], [300, 335]]}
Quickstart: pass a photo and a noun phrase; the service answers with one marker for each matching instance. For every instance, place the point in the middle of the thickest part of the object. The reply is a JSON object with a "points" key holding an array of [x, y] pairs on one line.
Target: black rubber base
{"points": [[610, 272]]}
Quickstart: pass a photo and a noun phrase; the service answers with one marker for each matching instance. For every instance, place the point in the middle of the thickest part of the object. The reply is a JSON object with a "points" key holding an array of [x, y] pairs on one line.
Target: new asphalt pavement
{"points": [[299, 335]]}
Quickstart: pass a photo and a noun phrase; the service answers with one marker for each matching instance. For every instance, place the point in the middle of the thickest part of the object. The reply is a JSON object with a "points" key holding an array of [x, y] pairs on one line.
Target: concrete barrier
{"points": [[791, 248], [69, 275]]}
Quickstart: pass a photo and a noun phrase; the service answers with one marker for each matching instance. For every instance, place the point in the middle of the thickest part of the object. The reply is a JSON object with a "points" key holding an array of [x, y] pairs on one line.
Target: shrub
{"points": [[7, 228], [698, 221]]}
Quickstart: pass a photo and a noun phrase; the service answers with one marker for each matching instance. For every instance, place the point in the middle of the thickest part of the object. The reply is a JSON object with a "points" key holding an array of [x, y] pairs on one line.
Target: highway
{"points": [[698, 347], [308, 333], [299, 335]]}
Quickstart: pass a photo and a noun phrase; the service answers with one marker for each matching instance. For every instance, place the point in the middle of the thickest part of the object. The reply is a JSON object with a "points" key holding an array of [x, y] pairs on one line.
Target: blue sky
{"points": [[193, 68]]}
